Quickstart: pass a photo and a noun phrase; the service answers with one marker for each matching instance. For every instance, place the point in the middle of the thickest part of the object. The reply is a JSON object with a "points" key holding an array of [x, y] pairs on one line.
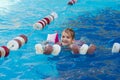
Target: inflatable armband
{"points": [[53, 38]]}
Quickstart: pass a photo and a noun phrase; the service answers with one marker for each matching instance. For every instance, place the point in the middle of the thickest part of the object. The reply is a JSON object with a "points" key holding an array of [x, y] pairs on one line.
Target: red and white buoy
{"points": [[48, 49], [79, 49], [17, 42], [4, 51], [42, 23], [71, 2]]}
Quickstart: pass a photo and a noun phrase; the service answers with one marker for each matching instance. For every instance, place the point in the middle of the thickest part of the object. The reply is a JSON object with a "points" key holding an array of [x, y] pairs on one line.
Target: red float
{"points": [[24, 37], [4, 51], [71, 2]]}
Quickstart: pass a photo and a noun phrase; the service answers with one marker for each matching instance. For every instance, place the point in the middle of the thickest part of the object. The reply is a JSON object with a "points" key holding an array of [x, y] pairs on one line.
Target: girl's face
{"points": [[66, 39]]}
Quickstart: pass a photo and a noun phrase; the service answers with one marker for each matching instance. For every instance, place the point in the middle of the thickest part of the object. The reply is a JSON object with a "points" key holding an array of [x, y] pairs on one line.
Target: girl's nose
{"points": [[64, 38]]}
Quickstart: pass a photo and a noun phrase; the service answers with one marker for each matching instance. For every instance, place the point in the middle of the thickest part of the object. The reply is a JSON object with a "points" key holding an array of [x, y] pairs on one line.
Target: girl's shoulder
{"points": [[79, 42]]}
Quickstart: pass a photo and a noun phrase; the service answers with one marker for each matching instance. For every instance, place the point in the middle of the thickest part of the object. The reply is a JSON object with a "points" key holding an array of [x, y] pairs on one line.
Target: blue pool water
{"points": [[94, 21]]}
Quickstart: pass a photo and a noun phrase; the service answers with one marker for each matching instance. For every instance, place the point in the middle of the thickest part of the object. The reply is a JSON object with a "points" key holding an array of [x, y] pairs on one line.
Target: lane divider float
{"points": [[4, 51], [84, 49], [48, 49], [42, 23], [71, 2], [79, 49], [17, 42], [116, 48]]}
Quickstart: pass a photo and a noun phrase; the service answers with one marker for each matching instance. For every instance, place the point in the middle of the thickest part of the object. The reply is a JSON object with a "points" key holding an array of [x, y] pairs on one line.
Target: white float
{"points": [[116, 48], [83, 49]]}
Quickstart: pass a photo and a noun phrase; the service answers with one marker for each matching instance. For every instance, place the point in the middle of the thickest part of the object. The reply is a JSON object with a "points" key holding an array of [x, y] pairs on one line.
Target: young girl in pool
{"points": [[67, 39]]}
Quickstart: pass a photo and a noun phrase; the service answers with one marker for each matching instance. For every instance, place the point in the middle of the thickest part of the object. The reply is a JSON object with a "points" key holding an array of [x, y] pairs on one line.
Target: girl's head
{"points": [[67, 37]]}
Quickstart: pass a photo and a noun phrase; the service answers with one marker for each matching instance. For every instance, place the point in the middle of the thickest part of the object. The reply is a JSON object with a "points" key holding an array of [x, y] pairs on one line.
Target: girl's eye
{"points": [[68, 37], [63, 36]]}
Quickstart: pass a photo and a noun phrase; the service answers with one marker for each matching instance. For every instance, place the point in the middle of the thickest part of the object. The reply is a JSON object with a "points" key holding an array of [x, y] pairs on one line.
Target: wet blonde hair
{"points": [[70, 32]]}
